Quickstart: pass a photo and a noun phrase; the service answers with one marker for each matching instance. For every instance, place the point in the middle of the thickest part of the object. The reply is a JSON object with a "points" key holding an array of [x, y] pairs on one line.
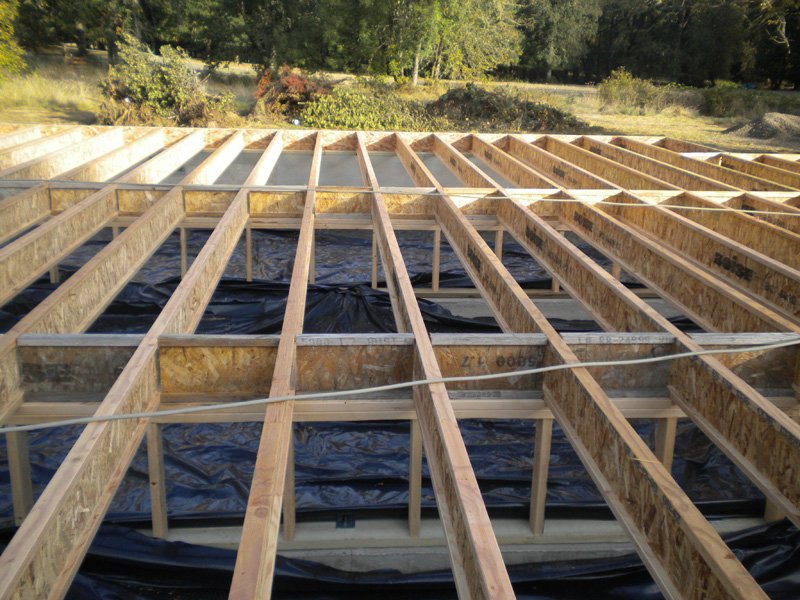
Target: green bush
{"points": [[732, 101], [474, 108], [623, 90], [350, 109], [144, 88], [11, 61]]}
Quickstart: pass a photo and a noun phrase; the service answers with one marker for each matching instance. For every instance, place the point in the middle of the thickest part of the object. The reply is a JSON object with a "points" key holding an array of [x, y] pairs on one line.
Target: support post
{"points": [[158, 480], [437, 259], [19, 467], [414, 479], [248, 253], [541, 466], [665, 440], [289, 506]]}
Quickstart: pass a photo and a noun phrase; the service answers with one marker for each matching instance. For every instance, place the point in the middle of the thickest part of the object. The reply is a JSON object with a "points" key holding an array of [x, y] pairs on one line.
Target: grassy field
{"points": [[52, 90]]}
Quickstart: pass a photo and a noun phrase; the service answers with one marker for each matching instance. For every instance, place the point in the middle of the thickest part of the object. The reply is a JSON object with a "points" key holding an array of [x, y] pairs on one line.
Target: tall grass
{"points": [[52, 88]]}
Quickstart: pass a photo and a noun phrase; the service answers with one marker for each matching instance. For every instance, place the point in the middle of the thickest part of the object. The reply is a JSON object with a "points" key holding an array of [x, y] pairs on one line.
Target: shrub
{"points": [[144, 88], [731, 101], [474, 108], [350, 109], [625, 91], [285, 92], [11, 61]]}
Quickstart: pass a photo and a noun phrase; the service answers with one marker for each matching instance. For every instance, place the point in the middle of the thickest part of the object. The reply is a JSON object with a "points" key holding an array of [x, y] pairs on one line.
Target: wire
{"points": [[792, 341]]}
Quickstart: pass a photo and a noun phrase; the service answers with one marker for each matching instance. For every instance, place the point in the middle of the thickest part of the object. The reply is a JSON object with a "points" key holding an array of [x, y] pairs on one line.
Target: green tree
{"points": [[558, 32], [10, 53], [473, 37]]}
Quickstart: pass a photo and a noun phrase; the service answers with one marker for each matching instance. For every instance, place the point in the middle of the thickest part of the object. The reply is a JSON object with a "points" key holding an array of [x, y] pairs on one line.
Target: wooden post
{"points": [[414, 479], [616, 270], [312, 265], [541, 465], [248, 253], [158, 480], [665, 440], [19, 467], [183, 251], [374, 262], [289, 506], [498, 244], [437, 258]]}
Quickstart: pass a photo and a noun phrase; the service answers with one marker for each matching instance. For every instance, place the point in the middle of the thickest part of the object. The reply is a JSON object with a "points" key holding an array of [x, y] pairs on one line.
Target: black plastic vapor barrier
{"points": [[124, 564], [344, 467]]}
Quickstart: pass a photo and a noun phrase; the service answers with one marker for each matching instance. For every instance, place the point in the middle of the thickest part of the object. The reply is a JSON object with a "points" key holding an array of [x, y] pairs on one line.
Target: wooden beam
{"points": [[61, 161], [727, 176], [39, 147], [762, 171], [758, 274], [617, 173], [158, 479], [683, 552], [664, 434], [109, 165], [24, 260], [789, 222], [255, 560], [495, 405], [47, 550], [767, 279], [552, 167], [19, 470], [709, 302], [763, 237], [675, 176], [21, 135], [75, 305], [414, 479], [166, 161], [780, 162], [524, 176], [475, 557], [80, 300], [23, 210], [711, 378]]}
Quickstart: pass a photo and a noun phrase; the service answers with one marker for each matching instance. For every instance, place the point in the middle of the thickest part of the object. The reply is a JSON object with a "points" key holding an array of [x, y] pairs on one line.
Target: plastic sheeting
{"points": [[340, 466], [124, 564]]}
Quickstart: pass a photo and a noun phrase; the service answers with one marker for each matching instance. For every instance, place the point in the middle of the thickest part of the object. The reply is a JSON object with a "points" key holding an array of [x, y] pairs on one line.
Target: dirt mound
{"points": [[769, 126]]}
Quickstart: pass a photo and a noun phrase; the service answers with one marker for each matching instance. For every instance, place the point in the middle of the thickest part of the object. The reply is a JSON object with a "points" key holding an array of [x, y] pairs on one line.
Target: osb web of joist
{"points": [[668, 213]]}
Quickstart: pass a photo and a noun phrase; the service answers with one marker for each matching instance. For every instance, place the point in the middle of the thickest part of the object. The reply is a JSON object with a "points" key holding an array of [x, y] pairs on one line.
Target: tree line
{"points": [[695, 42]]}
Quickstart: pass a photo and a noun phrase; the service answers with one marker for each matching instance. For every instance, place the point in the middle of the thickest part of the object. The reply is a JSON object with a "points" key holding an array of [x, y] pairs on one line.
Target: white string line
{"points": [[793, 341]]}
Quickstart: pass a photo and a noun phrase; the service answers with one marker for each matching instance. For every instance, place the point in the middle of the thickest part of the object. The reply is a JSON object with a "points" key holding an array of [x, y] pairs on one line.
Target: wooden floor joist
{"points": [[255, 561], [590, 284], [671, 214], [621, 465], [475, 556]]}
